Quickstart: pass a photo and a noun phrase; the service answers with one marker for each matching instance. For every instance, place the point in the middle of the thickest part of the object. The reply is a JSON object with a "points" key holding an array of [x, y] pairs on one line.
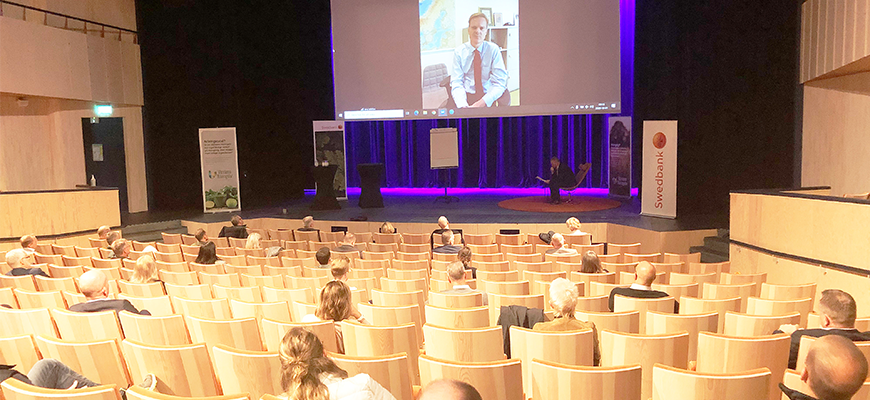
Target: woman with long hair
{"points": [[207, 254], [387, 228], [308, 374], [145, 270], [464, 256], [336, 305], [591, 264]]}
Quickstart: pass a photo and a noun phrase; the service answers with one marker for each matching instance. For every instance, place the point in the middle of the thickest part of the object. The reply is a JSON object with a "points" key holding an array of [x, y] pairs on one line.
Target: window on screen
{"points": [[400, 59]]}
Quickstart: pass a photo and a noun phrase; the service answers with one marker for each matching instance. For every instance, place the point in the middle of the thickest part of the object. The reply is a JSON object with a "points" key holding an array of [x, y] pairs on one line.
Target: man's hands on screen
{"points": [[479, 103]]}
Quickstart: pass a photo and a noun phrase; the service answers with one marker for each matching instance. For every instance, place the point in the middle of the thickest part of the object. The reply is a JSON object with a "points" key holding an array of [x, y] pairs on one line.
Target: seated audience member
{"points": [[456, 278], [308, 224], [563, 300], [308, 374], [837, 312], [464, 256], [336, 305], [145, 270], [207, 254], [448, 247], [121, 249], [443, 223], [20, 262], [340, 270], [573, 225], [49, 373], [590, 264], [112, 237], [237, 230], [835, 370], [644, 276], [559, 249], [323, 256], [254, 243], [387, 228], [347, 244], [201, 237], [449, 389], [28, 243], [95, 286], [103, 232]]}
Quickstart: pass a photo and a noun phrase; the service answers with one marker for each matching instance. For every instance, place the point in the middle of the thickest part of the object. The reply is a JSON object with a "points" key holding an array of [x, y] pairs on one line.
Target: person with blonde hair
{"points": [[308, 374], [103, 232], [253, 241], [145, 270], [340, 268], [563, 300], [574, 226], [590, 264], [336, 305], [387, 228], [464, 256]]}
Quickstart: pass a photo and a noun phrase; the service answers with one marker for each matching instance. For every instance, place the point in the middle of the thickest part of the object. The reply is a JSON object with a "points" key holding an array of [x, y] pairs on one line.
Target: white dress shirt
{"points": [[494, 76]]}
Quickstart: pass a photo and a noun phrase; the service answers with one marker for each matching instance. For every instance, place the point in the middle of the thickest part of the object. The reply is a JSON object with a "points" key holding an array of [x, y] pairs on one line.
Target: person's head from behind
{"points": [[443, 223], [207, 254], [18, 258], [456, 273], [28, 241], [557, 240], [303, 360], [236, 220], [94, 285], [478, 25], [200, 235], [121, 248], [590, 263], [340, 268], [322, 255], [447, 238], [308, 222], [573, 224], [837, 309], [112, 237], [835, 368], [349, 239], [103, 232], [449, 389], [464, 255], [554, 162], [335, 302], [387, 228], [644, 273], [253, 241], [563, 297], [145, 270]]}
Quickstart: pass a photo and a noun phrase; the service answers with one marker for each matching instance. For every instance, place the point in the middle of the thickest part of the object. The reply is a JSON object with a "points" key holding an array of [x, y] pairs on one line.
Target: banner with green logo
{"points": [[219, 159]]}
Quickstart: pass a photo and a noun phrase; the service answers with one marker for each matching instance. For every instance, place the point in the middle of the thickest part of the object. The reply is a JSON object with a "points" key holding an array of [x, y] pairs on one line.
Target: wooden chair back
{"points": [[99, 360], [619, 348], [208, 308], [726, 291], [745, 325], [192, 291], [633, 258], [83, 326], [274, 331], [153, 289], [625, 322], [305, 295], [246, 371], [457, 318], [390, 371], [165, 330], [683, 258], [741, 279], [250, 293], [451, 300], [678, 383], [19, 350], [502, 379], [678, 291], [464, 345], [178, 278], [707, 268], [552, 380], [14, 389], [677, 278], [759, 306], [278, 310], [602, 289], [44, 284], [788, 292], [568, 347], [623, 303], [658, 323], [28, 299], [34, 321], [374, 341], [730, 354], [173, 365]]}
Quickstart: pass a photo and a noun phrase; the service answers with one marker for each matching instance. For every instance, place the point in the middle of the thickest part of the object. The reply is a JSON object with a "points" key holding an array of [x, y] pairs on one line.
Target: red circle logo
{"points": [[339, 127], [659, 140]]}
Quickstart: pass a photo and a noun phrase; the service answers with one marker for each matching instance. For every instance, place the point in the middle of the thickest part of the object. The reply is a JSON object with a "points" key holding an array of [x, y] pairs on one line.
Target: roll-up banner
{"points": [[619, 167], [659, 169], [330, 149], [219, 159]]}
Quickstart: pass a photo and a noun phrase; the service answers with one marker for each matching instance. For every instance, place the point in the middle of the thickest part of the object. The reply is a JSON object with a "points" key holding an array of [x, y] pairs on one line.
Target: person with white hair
{"points": [[94, 284], [563, 301], [456, 278], [574, 227], [559, 249], [20, 261]]}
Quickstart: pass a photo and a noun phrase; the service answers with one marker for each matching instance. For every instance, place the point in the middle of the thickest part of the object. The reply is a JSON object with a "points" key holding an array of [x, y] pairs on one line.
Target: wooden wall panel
{"points": [[57, 212], [834, 34], [120, 13]]}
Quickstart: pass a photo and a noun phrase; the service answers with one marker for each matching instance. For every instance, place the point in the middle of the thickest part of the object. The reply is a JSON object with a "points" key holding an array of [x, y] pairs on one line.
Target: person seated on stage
{"points": [[103, 232], [456, 278], [49, 373], [322, 256], [464, 256], [336, 305], [28, 244], [559, 249], [590, 264], [112, 237], [308, 374], [237, 230], [387, 228], [835, 370], [145, 270], [837, 312], [560, 176], [121, 249], [20, 261], [563, 301], [449, 389], [644, 276], [347, 245], [208, 254], [574, 227], [447, 244], [479, 77], [201, 237], [95, 286]]}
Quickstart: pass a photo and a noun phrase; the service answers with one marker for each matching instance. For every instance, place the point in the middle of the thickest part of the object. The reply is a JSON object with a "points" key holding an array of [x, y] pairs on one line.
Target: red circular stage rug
{"points": [[577, 204]]}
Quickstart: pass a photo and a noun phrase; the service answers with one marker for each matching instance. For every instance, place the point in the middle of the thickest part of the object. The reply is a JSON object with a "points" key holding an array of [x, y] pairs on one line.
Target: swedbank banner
{"points": [[659, 194]]}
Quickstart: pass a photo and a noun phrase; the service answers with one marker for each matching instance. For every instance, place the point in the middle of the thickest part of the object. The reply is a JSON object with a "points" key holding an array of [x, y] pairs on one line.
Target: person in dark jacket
{"points": [[560, 176], [835, 370], [237, 230], [95, 286], [20, 261], [644, 276]]}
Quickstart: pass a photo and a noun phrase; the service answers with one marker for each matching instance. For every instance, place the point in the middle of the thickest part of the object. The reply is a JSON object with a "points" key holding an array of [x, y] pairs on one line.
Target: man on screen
{"points": [[479, 77]]}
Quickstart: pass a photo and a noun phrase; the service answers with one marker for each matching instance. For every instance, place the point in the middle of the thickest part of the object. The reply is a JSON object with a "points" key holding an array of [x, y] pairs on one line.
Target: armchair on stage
{"points": [[582, 171]]}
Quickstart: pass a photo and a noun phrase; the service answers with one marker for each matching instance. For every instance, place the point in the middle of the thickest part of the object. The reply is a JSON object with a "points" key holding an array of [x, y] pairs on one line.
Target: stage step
{"points": [[715, 248], [150, 232]]}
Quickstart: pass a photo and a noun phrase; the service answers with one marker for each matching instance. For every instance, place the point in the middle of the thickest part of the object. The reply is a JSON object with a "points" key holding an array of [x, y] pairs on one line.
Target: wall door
{"points": [[104, 154]]}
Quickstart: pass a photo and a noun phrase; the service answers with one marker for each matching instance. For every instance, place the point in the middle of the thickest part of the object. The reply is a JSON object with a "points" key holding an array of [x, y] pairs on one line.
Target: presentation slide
{"points": [[401, 59]]}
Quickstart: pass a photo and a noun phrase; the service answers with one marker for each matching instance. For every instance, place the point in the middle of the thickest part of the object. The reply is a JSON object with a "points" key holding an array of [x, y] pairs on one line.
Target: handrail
{"points": [[68, 17]]}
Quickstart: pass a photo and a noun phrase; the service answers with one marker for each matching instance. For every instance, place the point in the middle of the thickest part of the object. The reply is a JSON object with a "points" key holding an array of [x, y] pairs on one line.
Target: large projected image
{"points": [[400, 59], [480, 68]]}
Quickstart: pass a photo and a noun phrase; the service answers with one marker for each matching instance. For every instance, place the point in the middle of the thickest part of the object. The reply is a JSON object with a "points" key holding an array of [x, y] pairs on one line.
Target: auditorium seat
{"points": [[575, 240], [415, 238], [98, 243], [556, 259], [255, 261], [84, 326], [171, 238], [126, 273], [602, 289], [740, 279], [517, 288], [367, 284], [677, 278], [497, 276], [406, 274], [188, 257], [271, 294], [193, 291], [168, 257], [669, 268], [623, 303], [543, 287], [683, 258], [625, 322], [209, 308], [391, 371], [788, 292], [598, 249], [373, 341], [457, 318], [229, 280], [677, 291], [316, 272], [99, 360], [496, 301], [18, 350], [515, 259], [552, 380], [677, 383], [105, 252], [446, 257], [283, 270], [32, 299], [516, 249], [455, 300], [140, 246], [190, 248], [220, 241], [593, 303], [299, 262], [609, 277], [617, 248], [294, 244], [569, 347], [224, 251], [412, 256], [237, 242], [253, 267], [250, 294], [492, 266], [390, 315], [87, 251], [73, 261], [44, 284], [275, 281], [739, 324], [610, 258], [726, 291], [14, 389], [619, 348], [235, 260], [295, 282], [439, 272], [274, 331], [171, 365], [502, 379], [153, 289], [807, 342], [619, 268], [757, 306], [36, 321], [405, 285], [386, 238], [299, 309], [157, 306], [707, 268], [75, 297], [279, 310], [691, 305], [658, 323], [629, 257], [55, 259], [379, 252], [166, 330], [7, 297], [241, 333], [730, 354], [245, 371]]}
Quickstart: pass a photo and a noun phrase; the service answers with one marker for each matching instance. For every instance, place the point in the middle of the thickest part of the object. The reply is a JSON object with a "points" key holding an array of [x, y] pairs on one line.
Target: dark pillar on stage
{"points": [[324, 199], [370, 176]]}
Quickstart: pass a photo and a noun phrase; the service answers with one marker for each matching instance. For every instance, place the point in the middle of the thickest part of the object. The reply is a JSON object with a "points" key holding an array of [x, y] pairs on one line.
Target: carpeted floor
{"points": [[577, 204]]}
